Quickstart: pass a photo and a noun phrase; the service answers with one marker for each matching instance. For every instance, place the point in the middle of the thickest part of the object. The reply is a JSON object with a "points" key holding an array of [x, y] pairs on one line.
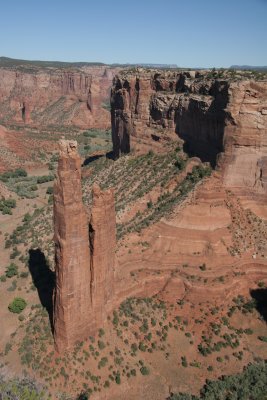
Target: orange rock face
{"points": [[218, 119], [84, 262], [102, 230], [41, 97], [72, 302]]}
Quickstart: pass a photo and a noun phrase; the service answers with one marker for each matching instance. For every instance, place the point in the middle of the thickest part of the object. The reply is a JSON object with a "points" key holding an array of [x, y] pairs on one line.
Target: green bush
{"points": [[16, 389], [263, 338], [144, 371], [17, 305], [101, 344], [49, 190], [19, 172], [250, 384], [45, 178], [118, 379], [6, 205], [11, 270]]}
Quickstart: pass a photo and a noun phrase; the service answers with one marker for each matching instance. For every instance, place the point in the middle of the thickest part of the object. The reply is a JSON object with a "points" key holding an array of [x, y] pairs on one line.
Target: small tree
{"points": [[17, 305]]}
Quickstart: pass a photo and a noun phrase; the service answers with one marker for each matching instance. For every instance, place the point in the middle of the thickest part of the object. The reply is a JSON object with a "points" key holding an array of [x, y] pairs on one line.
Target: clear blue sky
{"points": [[184, 32]]}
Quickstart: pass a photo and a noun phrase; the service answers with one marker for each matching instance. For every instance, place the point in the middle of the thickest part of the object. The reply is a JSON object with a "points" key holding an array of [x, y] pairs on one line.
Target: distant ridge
{"points": [[13, 63], [249, 67], [147, 65]]}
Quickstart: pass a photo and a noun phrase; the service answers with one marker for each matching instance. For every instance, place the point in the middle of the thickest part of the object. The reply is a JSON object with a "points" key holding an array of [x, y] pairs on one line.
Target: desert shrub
{"points": [[17, 173], [179, 163], [101, 332], [6, 206], [249, 384], [17, 305], [144, 370], [45, 178], [118, 379], [184, 361], [263, 338], [24, 389], [101, 344], [11, 270], [49, 190]]}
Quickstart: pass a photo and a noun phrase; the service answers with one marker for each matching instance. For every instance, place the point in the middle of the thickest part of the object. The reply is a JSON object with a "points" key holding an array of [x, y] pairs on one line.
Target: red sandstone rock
{"points": [[103, 242], [216, 118], [84, 262], [53, 96], [72, 299]]}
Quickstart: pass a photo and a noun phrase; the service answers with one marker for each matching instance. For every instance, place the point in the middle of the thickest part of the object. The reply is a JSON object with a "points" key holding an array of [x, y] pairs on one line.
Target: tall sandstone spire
{"points": [[102, 231], [84, 253]]}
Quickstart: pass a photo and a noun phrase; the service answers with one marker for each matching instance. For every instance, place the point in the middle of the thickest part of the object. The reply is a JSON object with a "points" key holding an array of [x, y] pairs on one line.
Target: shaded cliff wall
{"points": [[152, 107], [220, 120], [55, 97], [84, 254]]}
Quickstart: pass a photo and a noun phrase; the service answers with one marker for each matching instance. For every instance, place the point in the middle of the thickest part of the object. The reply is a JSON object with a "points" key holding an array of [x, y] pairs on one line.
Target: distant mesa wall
{"points": [[220, 121], [84, 253], [41, 97]]}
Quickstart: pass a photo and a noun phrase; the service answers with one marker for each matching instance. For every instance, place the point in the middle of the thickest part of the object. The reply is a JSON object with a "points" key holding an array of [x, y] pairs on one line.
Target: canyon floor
{"points": [[190, 276]]}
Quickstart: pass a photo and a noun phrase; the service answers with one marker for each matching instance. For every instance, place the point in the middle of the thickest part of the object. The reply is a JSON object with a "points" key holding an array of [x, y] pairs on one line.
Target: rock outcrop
{"points": [[50, 96], [84, 261], [102, 231], [72, 303], [220, 120]]}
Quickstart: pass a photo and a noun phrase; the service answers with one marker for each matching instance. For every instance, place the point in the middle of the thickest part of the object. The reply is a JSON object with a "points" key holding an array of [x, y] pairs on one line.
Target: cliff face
{"points": [[55, 96], [102, 230], [245, 137], [84, 253], [213, 117], [72, 302]]}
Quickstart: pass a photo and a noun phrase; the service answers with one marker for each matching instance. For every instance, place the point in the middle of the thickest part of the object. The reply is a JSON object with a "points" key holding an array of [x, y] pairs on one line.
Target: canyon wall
{"points": [[84, 254], [50, 96], [220, 120]]}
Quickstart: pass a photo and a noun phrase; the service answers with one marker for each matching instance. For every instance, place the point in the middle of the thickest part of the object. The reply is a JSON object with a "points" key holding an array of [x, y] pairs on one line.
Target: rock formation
{"points": [[102, 231], [212, 115], [72, 303], [51, 96], [84, 265]]}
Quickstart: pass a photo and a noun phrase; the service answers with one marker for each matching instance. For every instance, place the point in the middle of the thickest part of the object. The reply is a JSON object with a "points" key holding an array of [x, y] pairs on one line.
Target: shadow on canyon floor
{"points": [[44, 280], [260, 295], [90, 159]]}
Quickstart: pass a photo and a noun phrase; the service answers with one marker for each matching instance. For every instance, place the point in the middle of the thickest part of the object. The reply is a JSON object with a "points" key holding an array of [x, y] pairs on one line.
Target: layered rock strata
{"points": [[102, 231], [84, 261], [68, 97], [213, 116]]}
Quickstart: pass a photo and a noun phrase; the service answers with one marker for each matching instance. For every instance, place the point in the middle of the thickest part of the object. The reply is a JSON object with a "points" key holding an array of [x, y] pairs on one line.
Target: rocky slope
{"points": [[221, 119], [52, 96]]}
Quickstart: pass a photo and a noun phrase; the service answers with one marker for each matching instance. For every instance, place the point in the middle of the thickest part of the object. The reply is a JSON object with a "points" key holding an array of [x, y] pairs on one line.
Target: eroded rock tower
{"points": [[84, 264]]}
